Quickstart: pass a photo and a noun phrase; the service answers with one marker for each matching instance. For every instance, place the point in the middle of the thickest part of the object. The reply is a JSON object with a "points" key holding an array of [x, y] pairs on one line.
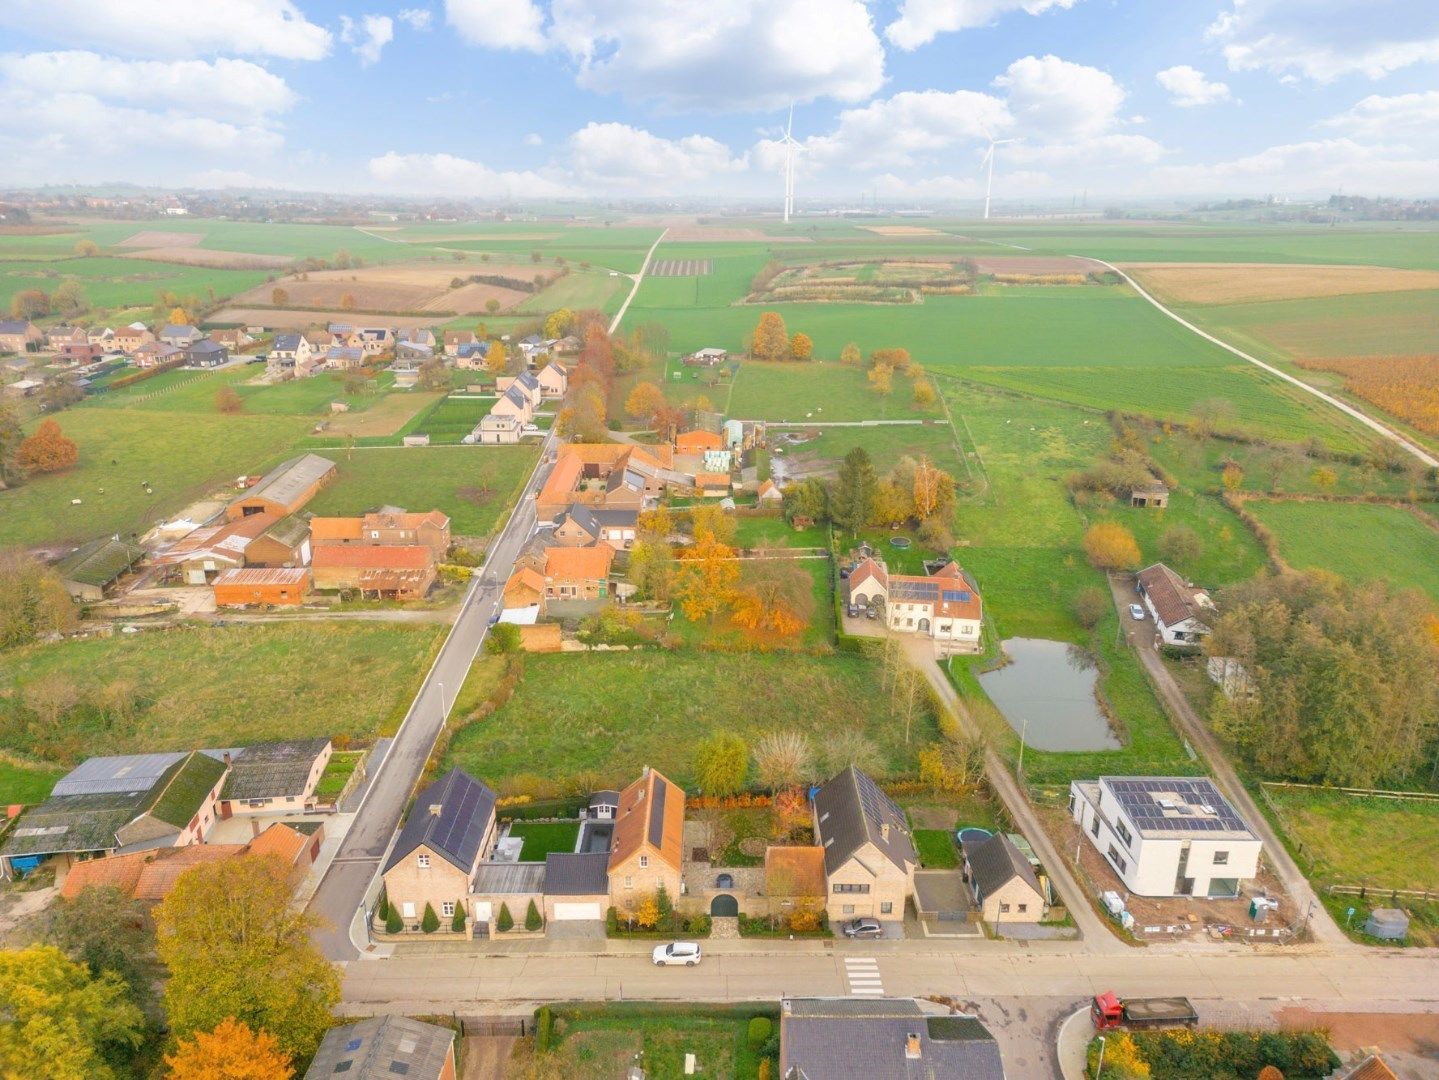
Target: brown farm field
{"points": [[161, 238], [1214, 283], [188, 255], [1405, 386], [414, 287], [305, 318], [385, 417], [901, 230], [1033, 264]]}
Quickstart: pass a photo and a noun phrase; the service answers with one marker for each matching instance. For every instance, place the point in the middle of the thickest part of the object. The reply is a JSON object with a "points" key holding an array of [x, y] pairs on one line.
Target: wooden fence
{"points": [[1428, 896], [1358, 793]]}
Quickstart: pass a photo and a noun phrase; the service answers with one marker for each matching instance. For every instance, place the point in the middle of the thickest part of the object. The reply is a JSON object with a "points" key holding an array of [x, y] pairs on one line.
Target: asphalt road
{"points": [[344, 887]]}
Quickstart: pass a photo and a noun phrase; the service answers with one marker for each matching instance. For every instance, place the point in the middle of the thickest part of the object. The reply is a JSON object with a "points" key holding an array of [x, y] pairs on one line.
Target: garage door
{"points": [[565, 912]]}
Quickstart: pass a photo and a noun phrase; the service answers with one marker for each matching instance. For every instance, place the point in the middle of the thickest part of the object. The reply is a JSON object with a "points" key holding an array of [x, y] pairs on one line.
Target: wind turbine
{"points": [[988, 159], [790, 146]]}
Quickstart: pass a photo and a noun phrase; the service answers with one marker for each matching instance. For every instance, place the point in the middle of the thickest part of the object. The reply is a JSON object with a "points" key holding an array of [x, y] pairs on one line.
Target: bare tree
{"points": [[783, 759]]}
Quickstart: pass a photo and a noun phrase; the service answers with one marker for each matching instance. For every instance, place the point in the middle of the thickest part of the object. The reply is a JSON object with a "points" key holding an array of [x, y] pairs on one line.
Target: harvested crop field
{"points": [[223, 260], [704, 234], [681, 267], [1034, 264], [901, 230], [385, 417], [161, 238], [35, 230], [1211, 283], [424, 287], [1404, 386], [304, 318]]}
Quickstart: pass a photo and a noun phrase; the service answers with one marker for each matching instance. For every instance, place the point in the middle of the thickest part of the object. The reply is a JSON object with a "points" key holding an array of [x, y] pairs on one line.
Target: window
{"points": [[886, 908], [644, 862], [1124, 834], [1023, 908], [447, 908], [1094, 827], [839, 887], [1004, 909], [1221, 858], [1071, 806], [848, 909], [629, 882], [407, 910], [424, 861], [1117, 859]]}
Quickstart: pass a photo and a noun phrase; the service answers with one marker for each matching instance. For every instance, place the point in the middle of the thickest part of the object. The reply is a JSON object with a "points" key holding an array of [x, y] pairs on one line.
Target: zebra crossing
{"points": [[862, 974]]}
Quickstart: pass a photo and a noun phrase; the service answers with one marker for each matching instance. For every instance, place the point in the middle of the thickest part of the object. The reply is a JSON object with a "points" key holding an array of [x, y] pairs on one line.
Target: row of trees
{"points": [[246, 994], [915, 490], [67, 299]]}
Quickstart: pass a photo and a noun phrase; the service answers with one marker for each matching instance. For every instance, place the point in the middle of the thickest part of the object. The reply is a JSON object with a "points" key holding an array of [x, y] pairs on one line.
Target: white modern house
{"points": [[1167, 835], [1182, 612]]}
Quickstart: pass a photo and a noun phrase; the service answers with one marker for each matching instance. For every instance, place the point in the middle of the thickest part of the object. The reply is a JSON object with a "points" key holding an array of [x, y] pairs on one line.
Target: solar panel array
{"points": [[913, 590], [657, 813], [960, 596], [458, 829], [1139, 798]]}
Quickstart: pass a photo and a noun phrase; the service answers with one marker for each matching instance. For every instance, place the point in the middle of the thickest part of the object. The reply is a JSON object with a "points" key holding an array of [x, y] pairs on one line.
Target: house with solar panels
{"points": [[1167, 835], [945, 605]]}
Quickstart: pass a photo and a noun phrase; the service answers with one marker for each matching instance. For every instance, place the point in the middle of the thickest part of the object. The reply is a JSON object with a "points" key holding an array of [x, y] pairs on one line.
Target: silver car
{"points": [[863, 928], [1136, 612], [677, 952]]}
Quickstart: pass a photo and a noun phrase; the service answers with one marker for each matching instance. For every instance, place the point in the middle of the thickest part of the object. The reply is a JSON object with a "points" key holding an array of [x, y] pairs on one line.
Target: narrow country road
{"points": [[638, 278], [347, 883], [1139, 635], [1343, 406]]}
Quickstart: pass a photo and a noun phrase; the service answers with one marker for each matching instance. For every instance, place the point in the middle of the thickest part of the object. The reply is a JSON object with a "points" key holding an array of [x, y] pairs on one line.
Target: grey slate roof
{"points": [[527, 380], [273, 769], [285, 343], [582, 516], [454, 830], [850, 810], [865, 1038], [285, 481], [517, 396], [499, 878], [994, 861], [584, 873], [371, 1050]]}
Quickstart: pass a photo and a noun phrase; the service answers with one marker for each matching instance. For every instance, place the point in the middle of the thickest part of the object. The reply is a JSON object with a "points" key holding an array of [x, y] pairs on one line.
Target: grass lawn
{"points": [[815, 391], [937, 850], [885, 446], [543, 837], [1358, 541], [184, 456], [218, 686], [1230, 552], [25, 784], [610, 714], [476, 486], [759, 532], [604, 1040], [337, 773]]}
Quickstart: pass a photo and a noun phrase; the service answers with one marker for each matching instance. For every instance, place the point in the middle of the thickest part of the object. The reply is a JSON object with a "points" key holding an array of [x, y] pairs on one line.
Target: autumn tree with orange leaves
{"points": [[776, 595], [1110, 546], [645, 402], [708, 571], [770, 340], [231, 1052], [48, 450]]}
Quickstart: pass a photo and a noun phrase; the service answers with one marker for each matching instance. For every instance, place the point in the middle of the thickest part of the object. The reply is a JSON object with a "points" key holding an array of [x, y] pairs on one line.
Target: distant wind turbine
{"points": [[988, 159], [790, 147]]}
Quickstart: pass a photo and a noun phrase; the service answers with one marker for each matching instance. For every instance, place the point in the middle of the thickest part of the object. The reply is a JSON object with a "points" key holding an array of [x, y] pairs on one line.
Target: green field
{"points": [[1358, 541], [815, 391], [578, 291], [476, 486], [184, 456], [604, 1040], [607, 715], [120, 283], [197, 687], [24, 784]]}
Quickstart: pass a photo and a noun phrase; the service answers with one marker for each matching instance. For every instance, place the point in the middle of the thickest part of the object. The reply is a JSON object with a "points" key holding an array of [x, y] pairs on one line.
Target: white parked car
{"points": [[677, 952], [1136, 612]]}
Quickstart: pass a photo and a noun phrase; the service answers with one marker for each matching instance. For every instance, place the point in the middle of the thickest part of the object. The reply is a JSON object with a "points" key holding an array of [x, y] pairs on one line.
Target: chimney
{"points": [[884, 832], [227, 759], [911, 1046], [435, 809], [254, 827]]}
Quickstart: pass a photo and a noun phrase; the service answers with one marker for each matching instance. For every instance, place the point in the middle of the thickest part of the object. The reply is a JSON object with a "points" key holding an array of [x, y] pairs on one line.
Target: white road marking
{"points": [[862, 974]]}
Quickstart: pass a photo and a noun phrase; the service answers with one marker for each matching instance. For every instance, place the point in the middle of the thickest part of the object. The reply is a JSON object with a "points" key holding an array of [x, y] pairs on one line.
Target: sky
{"points": [[525, 99]]}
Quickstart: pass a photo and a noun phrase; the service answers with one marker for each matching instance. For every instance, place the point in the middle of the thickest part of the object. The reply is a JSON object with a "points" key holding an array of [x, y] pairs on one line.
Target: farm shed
{"points": [[282, 586], [285, 488], [92, 568], [283, 543], [274, 776], [1154, 496]]}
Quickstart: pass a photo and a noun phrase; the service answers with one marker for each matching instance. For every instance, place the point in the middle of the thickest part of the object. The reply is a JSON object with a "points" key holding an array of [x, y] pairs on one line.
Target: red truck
{"points": [[1109, 1011]]}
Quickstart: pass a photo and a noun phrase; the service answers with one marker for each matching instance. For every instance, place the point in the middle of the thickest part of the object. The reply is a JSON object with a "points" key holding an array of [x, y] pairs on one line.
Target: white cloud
{"points": [[1097, 152], [619, 156], [907, 127], [1324, 39], [222, 89], [160, 28], [445, 174], [921, 21], [1188, 87], [534, 139], [1320, 166], [498, 24], [1404, 116], [416, 18], [1051, 98], [367, 36], [735, 55]]}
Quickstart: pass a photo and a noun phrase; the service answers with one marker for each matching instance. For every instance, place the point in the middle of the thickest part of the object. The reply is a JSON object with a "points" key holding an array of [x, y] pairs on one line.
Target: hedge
{"points": [[544, 1029], [758, 1032]]}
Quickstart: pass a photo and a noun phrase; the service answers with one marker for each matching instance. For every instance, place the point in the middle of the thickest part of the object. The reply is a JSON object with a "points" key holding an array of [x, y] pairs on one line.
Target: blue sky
{"points": [[529, 98]]}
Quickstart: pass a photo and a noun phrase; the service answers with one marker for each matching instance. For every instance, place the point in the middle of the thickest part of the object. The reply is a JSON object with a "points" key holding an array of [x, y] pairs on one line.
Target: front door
{"points": [[724, 905]]}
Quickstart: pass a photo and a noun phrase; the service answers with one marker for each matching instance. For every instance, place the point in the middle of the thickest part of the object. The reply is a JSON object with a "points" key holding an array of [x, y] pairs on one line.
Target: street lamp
{"points": [[1099, 1068], [444, 710]]}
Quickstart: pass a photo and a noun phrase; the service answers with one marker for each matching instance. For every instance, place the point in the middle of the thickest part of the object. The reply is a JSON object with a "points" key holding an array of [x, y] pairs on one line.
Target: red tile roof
{"points": [[373, 556], [579, 564]]}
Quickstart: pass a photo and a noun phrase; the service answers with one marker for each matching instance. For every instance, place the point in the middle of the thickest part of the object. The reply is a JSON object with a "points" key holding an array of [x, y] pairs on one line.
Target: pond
{"points": [[1051, 684]]}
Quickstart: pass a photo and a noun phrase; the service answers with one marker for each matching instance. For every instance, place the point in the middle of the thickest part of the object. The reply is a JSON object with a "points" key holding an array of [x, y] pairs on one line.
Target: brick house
{"points": [[20, 336], [399, 527], [1001, 880], [274, 777], [129, 338], [451, 828], [267, 586], [554, 380], [525, 589], [582, 526], [578, 573], [285, 542], [869, 856], [648, 846]]}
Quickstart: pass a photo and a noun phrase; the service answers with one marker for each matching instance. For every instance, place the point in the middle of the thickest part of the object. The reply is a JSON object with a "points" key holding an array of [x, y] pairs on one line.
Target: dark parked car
{"points": [[871, 612]]}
